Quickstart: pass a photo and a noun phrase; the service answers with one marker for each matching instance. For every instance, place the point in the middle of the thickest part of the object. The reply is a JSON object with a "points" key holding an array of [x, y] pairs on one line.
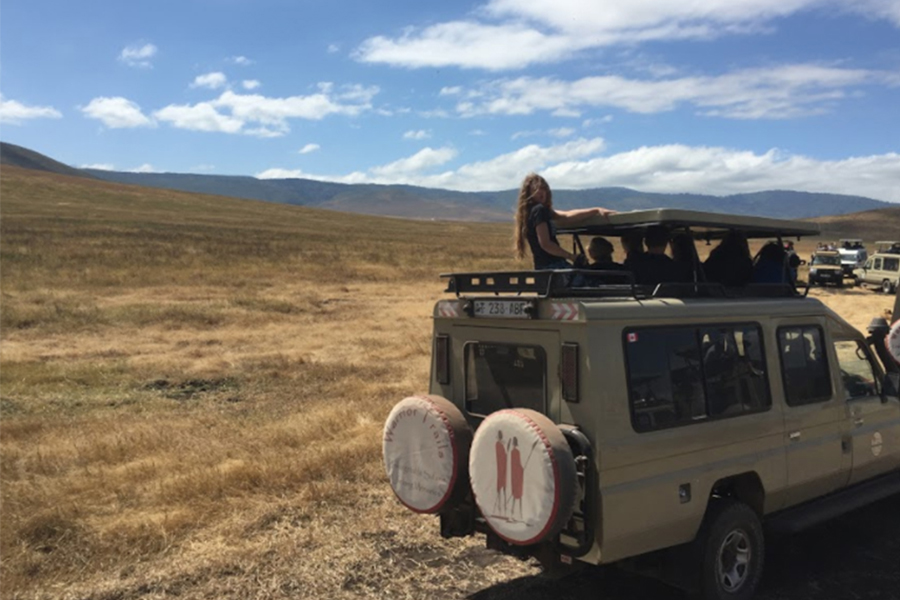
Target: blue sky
{"points": [[707, 96]]}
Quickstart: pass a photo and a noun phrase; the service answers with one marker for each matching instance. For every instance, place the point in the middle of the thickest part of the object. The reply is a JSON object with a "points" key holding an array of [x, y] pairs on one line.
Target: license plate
{"points": [[502, 309]]}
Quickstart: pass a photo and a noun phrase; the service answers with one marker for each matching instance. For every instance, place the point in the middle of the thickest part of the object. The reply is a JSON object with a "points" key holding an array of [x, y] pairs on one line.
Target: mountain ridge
{"points": [[410, 201]]}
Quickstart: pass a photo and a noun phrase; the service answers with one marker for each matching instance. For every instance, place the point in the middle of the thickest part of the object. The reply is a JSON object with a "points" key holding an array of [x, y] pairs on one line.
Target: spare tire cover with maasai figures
{"points": [[892, 341], [426, 450], [523, 475]]}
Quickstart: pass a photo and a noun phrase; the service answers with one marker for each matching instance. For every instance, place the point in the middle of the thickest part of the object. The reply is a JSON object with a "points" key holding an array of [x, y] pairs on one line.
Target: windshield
{"points": [[826, 260]]}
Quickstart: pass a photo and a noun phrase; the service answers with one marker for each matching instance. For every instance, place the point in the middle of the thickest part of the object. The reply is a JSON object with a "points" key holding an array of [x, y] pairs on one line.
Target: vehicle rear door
{"points": [[507, 367]]}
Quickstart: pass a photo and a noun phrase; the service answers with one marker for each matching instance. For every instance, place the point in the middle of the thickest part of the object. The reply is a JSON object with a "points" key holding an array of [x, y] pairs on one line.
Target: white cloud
{"points": [[467, 44], [594, 122], [579, 164], [419, 134], [117, 113], [512, 34], [422, 160], [559, 132], [144, 168], [240, 60], [13, 112], [309, 148], [198, 117], [138, 55], [211, 81], [99, 167], [253, 114], [771, 93], [250, 84], [333, 48]]}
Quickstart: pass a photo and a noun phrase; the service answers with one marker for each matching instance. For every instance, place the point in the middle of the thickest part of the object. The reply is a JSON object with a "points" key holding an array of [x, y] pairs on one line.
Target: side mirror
{"points": [[890, 387]]}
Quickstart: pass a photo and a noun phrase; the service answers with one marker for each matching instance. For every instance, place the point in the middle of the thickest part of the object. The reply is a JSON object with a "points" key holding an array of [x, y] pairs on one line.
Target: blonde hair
{"points": [[531, 186]]}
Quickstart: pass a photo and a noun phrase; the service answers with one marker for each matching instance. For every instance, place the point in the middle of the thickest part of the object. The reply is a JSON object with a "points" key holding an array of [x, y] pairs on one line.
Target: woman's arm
{"points": [[573, 217], [550, 247]]}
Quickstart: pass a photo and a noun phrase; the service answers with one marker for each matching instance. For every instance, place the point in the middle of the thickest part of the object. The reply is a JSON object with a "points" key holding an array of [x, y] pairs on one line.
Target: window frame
{"points": [[544, 376], [696, 327], [825, 352]]}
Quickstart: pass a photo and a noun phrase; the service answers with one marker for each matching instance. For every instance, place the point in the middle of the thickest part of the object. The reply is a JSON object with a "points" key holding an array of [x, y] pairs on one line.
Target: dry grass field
{"points": [[192, 391]]}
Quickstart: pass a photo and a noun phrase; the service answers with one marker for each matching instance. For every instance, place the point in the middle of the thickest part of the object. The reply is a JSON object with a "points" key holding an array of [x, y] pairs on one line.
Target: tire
{"points": [[887, 287], [732, 552]]}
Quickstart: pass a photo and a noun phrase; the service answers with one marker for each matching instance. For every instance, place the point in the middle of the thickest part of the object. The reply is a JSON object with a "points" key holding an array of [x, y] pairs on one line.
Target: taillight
{"points": [[568, 372], [442, 358]]}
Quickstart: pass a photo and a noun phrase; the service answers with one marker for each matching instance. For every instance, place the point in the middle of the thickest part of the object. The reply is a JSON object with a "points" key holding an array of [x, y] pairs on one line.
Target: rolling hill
{"points": [[428, 203]]}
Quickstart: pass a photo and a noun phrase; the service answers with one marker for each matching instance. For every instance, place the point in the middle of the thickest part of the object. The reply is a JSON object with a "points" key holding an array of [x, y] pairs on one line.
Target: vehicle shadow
{"points": [[854, 556]]}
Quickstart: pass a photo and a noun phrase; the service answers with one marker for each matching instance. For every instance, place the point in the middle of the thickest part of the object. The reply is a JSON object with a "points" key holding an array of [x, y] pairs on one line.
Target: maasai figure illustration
{"points": [[517, 475], [502, 498]]}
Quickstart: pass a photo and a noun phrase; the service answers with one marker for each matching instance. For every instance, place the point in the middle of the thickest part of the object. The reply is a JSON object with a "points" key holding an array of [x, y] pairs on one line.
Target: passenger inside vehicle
{"points": [[684, 254], [654, 266], [772, 266], [633, 246], [600, 252], [729, 263]]}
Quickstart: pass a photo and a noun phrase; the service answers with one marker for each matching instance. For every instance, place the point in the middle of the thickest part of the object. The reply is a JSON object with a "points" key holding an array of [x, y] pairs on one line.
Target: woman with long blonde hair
{"points": [[536, 222]]}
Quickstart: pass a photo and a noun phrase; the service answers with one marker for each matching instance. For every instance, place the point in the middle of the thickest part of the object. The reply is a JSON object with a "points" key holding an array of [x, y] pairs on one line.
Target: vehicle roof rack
{"points": [[601, 284]]}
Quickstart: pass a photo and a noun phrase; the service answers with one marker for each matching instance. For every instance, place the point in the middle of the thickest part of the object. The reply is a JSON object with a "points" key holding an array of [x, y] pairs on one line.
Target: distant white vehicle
{"points": [[853, 255]]}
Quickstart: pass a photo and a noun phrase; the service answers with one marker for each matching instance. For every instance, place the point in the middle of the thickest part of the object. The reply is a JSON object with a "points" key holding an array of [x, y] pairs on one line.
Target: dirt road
{"points": [[856, 556]]}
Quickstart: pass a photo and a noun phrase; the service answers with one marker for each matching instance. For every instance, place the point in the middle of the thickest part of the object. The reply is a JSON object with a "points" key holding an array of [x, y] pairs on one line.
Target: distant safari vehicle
{"points": [[853, 255], [654, 427], [887, 247], [825, 269], [881, 271]]}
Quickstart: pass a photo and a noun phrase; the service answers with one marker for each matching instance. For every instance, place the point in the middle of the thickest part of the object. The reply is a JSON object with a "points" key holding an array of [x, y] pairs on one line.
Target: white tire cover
{"points": [[523, 475], [426, 447], [892, 341]]}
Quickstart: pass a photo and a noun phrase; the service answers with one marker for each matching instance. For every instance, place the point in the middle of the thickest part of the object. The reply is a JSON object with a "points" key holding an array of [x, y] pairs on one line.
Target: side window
{"points": [[734, 370], [892, 264], [877, 266], [664, 378], [856, 369], [682, 375], [804, 365]]}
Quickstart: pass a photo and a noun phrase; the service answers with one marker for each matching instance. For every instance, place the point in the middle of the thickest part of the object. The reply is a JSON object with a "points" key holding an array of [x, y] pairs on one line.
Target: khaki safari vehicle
{"points": [[659, 429], [882, 270], [825, 268]]}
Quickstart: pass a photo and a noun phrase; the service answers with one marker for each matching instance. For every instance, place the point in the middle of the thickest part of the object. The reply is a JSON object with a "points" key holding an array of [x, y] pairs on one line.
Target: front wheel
{"points": [[732, 552], [887, 287]]}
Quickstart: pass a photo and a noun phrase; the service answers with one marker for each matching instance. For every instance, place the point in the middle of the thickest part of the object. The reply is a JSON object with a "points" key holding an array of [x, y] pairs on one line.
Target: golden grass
{"points": [[193, 390]]}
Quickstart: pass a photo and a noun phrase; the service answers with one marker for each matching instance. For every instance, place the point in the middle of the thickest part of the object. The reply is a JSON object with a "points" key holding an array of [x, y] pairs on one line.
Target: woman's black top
{"points": [[537, 215]]}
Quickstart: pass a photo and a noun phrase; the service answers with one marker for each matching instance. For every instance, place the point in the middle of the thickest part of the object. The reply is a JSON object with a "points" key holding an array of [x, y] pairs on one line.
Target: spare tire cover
{"points": [[426, 449], [523, 475], [892, 341]]}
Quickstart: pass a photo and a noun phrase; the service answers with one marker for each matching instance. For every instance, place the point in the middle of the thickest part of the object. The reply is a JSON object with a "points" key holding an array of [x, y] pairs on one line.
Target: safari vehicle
{"points": [[853, 255], [887, 247], [658, 429], [881, 271], [825, 268]]}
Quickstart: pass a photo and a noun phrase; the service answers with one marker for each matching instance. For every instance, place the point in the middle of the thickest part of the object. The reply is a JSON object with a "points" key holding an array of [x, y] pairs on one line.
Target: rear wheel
{"points": [[732, 552], [887, 287]]}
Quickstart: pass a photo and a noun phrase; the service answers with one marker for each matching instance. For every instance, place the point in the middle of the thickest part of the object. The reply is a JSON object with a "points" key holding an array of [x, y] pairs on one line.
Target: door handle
{"points": [[794, 436]]}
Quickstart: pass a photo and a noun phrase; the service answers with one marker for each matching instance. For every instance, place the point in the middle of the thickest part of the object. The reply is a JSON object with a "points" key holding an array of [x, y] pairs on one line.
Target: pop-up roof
{"points": [[701, 225]]}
